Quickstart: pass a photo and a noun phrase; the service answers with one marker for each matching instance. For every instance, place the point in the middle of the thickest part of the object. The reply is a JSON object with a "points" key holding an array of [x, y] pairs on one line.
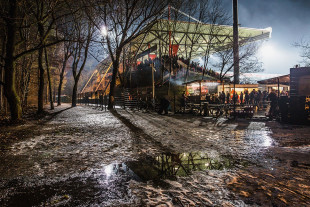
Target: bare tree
{"points": [[249, 63], [67, 53], [46, 16], [83, 31], [24, 69], [18, 16], [304, 47], [123, 20], [216, 15], [3, 41], [49, 79], [9, 16], [199, 8]]}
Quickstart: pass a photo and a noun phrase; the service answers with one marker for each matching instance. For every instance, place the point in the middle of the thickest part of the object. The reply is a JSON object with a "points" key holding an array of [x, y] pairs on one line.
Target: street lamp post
{"points": [[236, 50]]}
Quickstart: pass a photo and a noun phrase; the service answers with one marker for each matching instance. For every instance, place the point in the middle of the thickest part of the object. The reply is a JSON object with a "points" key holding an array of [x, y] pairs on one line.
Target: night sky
{"points": [[290, 22]]}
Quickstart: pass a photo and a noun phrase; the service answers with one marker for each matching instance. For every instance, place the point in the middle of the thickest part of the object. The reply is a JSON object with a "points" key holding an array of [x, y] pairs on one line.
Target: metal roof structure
{"points": [[195, 37], [190, 37], [284, 79]]}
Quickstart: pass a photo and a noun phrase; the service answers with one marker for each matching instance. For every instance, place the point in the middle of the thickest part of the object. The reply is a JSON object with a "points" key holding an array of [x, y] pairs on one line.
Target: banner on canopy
{"points": [[174, 49]]}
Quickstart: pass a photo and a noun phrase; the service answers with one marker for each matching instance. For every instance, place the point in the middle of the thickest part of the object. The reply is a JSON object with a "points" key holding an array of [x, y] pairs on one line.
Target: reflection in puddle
{"points": [[169, 166], [260, 137]]}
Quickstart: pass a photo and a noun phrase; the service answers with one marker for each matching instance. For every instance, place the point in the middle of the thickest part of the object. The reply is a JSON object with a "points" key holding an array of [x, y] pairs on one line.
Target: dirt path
{"points": [[88, 157]]}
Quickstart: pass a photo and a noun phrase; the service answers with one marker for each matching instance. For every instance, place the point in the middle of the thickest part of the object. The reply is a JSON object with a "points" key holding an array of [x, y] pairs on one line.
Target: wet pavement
{"points": [[87, 157]]}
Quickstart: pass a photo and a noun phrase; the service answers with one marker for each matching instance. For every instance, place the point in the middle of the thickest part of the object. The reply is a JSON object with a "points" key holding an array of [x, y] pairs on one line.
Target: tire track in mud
{"points": [[184, 128], [139, 134], [164, 124]]}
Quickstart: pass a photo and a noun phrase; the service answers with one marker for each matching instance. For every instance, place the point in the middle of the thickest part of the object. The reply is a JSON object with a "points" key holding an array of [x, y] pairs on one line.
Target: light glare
{"points": [[104, 31]]}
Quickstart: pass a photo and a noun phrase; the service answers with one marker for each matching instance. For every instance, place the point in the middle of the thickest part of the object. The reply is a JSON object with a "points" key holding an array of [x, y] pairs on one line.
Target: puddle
{"points": [[171, 166], [109, 184]]}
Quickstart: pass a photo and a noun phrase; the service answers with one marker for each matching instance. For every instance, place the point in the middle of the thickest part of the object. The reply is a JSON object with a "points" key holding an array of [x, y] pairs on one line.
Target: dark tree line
{"points": [[32, 30]]}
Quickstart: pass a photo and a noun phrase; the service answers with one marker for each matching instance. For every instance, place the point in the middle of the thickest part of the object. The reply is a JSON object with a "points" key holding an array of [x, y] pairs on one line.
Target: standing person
{"points": [[216, 99], [208, 98], [183, 101], [105, 102], [247, 97], [256, 99], [227, 97], [164, 105], [241, 98], [223, 97], [272, 97], [101, 100], [236, 97], [252, 96], [265, 94], [260, 99]]}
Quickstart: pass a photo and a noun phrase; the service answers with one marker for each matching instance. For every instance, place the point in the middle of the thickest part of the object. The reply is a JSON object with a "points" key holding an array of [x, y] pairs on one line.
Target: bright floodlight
{"points": [[104, 31], [267, 50]]}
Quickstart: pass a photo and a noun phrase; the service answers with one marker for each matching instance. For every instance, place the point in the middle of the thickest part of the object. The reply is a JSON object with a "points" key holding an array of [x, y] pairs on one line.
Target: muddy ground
{"points": [[87, 157]]}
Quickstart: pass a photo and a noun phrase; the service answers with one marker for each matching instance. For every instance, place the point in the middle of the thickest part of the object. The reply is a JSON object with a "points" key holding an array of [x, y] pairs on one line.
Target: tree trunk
{"points": [[54, 94], [74, 92], [9, 66], [49, 80], [41, 82], [26, 91], [1, 91], [10, 92], [61, 77], [59, 91], [113, 82], [5, 105], [2, 74]]}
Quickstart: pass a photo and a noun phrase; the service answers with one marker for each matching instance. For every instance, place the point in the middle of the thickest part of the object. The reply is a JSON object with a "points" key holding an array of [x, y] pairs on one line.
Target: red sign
{"points": [[152, 56], [175, 49]]}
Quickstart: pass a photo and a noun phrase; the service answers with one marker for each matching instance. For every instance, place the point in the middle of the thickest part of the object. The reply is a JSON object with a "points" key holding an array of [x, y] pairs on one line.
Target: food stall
{"points": [[198, 88], [280, 83]]}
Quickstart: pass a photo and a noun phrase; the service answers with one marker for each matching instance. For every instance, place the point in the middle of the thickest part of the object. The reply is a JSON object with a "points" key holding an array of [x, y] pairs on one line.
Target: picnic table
{"points": [[207, 109], [218, 109], [243, 112]]}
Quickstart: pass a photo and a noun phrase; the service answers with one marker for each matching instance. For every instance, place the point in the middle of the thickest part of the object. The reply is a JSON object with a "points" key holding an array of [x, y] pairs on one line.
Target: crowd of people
{"points": [[255, 97]]}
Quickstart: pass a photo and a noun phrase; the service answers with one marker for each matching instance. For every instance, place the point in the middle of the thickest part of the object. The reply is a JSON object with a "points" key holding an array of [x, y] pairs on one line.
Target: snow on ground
{"points": [[88, 157]]}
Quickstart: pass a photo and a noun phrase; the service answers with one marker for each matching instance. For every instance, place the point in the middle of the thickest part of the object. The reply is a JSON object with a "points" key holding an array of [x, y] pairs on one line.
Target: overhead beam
{"points": [[103, 77]]}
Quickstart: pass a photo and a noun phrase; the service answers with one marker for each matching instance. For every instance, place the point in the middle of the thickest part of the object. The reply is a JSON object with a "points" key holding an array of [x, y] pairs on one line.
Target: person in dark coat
{"points": [[183, 101], [241, 98], [208, 98], [223, 97], [164, 105], [272, 97], [247, 97], [227, 97], [252, 96]]}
